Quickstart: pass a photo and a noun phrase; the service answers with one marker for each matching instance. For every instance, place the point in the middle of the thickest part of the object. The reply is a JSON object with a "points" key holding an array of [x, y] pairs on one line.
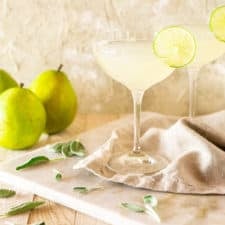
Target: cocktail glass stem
{"points": [[137, 101], [137, 161], [192, 76]]}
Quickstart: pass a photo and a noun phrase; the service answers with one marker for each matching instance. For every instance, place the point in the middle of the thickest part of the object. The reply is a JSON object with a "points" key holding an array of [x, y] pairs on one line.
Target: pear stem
{"points": [[60, 67], [21, 85]]}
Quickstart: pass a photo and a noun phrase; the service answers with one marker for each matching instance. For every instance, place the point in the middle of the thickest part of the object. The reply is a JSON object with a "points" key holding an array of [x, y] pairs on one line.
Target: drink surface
{"points": [[208, 47], [132, 63]]}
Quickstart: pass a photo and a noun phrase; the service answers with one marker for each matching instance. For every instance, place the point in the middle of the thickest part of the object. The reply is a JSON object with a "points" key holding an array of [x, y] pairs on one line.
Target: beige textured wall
{"points": [[40, 34]]}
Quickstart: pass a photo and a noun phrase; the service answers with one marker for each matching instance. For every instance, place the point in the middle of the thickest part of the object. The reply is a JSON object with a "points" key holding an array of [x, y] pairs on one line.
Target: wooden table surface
{"points": [[57, 214]]}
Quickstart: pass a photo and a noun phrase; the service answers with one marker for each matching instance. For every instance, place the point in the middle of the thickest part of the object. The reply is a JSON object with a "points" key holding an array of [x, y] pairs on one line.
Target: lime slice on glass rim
{"points": [[217, 22], [175, 45]]}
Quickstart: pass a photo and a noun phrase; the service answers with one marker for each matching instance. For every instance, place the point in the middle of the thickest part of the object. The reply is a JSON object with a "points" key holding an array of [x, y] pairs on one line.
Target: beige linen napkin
{"points": [[194, 149]]}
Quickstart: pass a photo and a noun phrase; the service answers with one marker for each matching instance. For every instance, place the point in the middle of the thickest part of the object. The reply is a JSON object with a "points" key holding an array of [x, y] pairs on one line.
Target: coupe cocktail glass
{"points": [[131, 62], [208, 49]]}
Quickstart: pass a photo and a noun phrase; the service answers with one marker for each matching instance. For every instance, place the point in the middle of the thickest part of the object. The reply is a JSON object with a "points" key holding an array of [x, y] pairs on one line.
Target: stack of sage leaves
{"points": [[70, 149], [66, 149]]}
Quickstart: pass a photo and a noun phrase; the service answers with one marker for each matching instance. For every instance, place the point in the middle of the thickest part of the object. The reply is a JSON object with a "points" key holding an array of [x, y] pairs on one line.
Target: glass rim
{"points": [[117, 34]]}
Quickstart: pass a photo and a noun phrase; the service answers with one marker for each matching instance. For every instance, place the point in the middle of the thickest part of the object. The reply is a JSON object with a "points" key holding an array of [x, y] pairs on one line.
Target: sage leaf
{"points": [[133, 207], [58, 147], [58, 175], [151, 200], [22, 208], [82, 190], [149, 203], [77, 148], [34, 162], [70, 149], [5, 193], [85, 190], [66, 150]]}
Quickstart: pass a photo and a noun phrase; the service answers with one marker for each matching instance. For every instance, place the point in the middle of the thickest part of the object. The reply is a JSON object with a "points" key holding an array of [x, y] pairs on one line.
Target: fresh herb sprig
{"points": [[6, 193], [133, 207], [150, 202], [22, 208], [85, 190], [70, 149], [35, 161], [67, 149]]}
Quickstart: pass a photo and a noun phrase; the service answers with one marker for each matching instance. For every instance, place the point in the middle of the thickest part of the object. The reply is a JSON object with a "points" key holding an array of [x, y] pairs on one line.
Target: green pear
{"points": [[6, 81], [22, 118], [58, 97]]}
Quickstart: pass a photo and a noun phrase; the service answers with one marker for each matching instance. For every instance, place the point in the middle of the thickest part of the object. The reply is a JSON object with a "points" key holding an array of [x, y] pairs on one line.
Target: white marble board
{"points": [[105, 204]]}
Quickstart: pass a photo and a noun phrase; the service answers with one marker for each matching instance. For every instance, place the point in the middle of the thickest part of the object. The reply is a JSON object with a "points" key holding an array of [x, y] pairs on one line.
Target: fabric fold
{"points": [[194, 148]]}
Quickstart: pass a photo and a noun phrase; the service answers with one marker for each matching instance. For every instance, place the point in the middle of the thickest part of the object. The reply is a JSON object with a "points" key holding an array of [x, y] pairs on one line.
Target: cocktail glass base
{"points": [[137, 163]]}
